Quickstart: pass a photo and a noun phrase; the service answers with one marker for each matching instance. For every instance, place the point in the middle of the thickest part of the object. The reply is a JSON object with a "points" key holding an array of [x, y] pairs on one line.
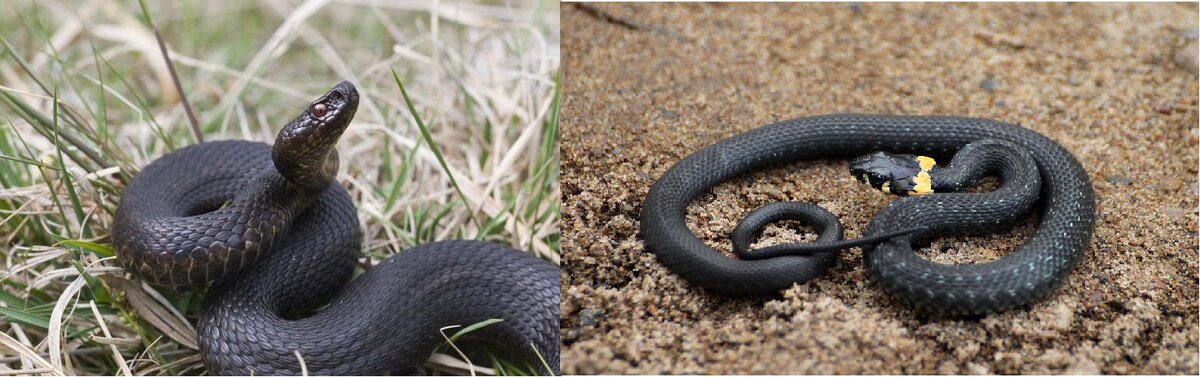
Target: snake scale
{"points": [[1027, 273], [280, 238]]}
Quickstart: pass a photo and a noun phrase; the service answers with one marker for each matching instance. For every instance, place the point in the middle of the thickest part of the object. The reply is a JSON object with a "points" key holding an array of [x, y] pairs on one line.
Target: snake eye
{"points": [[318, 110]]}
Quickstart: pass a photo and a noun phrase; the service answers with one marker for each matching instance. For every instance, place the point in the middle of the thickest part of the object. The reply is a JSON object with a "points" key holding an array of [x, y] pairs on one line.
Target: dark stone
{"points": [[668, 114], [588, 317], [988, 84], [1118, 180]]}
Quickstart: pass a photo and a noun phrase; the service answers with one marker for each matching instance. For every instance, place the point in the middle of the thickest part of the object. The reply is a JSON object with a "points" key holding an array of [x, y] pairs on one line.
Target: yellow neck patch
{"points": [[924, 184], [927, 163]]}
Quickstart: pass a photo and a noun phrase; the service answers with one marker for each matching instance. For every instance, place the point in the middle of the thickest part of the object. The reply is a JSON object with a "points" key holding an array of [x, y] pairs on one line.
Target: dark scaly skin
{"points": [[891, 173], [1031, 271], [829, 231], [281, 239]]}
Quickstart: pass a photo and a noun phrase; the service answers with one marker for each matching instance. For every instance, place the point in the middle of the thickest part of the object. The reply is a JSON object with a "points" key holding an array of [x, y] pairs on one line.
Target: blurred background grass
{"points": [[86, 99]]}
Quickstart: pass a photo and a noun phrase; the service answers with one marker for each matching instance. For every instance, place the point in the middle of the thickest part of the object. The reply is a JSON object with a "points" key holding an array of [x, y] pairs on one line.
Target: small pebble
{"points": [[589, 317], [1188, 56], [1083, 366], [1062, 317], [668, 114], [1173, 212], [571, 335], [1095, 298], [643, 176], [626, 207], [1163, 108], [974, 368], [988, 84], [1118, 180], [1171, 184]]}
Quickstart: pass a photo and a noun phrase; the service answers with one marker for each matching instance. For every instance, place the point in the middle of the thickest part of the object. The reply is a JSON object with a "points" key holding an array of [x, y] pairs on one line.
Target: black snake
{"points": [[280, 239], [1031, 271]]}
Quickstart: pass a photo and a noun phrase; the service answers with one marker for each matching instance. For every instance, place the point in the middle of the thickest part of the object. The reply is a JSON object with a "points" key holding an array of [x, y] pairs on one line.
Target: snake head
{"points": [[304, 149], [897, 174]]}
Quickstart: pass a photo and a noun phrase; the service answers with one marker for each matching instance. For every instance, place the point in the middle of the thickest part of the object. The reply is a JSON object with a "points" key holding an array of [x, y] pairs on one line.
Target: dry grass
{"points": [[86, 99]]}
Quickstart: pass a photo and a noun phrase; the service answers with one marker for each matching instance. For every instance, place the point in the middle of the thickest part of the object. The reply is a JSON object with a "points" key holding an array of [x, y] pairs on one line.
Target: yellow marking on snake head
{"points": [[887, 187], [926, 163], [924, 184]]}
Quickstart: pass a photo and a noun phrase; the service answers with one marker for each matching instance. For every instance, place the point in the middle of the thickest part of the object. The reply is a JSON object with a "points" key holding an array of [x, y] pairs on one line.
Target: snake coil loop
{"points": [[1031, 271], [280, 239]]}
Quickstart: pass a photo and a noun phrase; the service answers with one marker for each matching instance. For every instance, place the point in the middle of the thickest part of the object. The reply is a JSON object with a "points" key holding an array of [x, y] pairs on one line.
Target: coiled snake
{"points": [[280, 239], [1022, 158]]}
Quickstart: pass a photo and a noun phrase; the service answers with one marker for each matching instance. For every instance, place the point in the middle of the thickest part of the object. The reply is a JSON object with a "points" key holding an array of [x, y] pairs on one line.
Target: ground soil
{"points": [[646, 84]]}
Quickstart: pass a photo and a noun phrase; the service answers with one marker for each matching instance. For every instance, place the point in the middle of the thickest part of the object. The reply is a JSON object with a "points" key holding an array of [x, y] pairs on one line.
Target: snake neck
{"points": [[278, 193], [1019, 189], [308, 170], [331, 225], [265, 207], [1014, 165]]}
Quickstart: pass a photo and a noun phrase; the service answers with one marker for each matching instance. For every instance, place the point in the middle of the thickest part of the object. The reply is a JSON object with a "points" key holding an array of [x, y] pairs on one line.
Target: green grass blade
{"points": [[405, 172], [541, 358], [27, 318], [474, 327], [93, 286], [496, 224], [11, 300], [67, 181], [432, 146], [101, 250]]}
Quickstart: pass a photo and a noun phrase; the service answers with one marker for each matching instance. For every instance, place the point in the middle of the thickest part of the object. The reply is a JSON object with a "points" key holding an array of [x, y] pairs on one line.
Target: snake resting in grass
{"points": [[1029, 165], [280, 239]]}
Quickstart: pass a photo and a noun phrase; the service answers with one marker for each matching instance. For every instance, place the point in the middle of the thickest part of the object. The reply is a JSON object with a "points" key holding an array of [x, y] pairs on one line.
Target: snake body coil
{"points": [[281, 239], [1032, 270]]}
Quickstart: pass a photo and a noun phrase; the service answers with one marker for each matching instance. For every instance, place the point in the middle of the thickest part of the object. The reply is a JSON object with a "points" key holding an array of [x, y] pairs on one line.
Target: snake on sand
{"points": [[1027, 273], [278, 236]]}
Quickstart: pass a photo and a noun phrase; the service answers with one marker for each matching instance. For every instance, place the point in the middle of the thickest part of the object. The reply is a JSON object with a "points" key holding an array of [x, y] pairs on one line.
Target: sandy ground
{"points": [[646, 84]]}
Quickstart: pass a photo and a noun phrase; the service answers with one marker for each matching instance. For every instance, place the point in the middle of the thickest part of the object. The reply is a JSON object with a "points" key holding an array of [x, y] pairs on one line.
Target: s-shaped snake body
{"points": [[280, 238], [1027, 273]]}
